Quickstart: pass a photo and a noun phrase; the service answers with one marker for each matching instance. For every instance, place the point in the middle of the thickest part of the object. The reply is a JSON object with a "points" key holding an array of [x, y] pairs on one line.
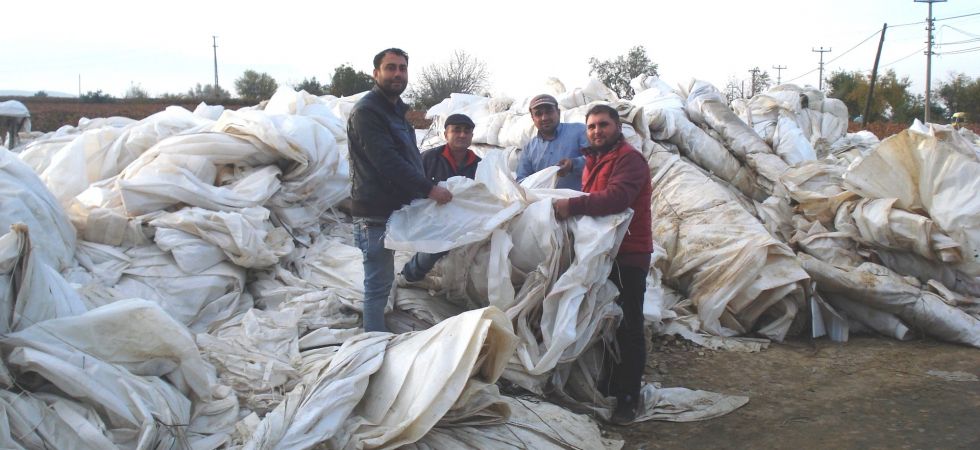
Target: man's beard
{"points": [[390, 92], [611, 144]]}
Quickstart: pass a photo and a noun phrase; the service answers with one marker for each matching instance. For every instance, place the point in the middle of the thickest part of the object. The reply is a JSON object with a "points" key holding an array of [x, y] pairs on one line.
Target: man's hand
{"points": [[561, 208], [440, 194], [564, 167]]}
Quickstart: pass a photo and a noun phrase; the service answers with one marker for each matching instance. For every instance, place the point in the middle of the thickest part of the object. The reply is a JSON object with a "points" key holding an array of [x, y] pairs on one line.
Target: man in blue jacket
{"points": [[556, 144], [386, 173]]}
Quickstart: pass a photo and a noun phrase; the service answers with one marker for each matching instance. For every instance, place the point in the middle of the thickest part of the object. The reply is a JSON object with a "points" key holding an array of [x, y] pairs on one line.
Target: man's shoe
{"points": [[625, 412], [403, 282]]}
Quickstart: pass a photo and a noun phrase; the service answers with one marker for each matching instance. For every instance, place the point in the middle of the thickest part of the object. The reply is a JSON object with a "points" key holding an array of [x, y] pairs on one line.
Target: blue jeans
{"points": [[420, 265], [379, 272]]}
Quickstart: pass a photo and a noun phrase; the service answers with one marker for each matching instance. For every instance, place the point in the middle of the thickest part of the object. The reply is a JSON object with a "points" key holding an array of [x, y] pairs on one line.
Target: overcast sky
{"points": [[165, 47]]}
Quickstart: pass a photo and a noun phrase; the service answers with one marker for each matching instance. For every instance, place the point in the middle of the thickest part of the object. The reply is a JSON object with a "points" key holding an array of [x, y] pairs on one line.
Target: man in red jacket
{"points": [[616, 177]]}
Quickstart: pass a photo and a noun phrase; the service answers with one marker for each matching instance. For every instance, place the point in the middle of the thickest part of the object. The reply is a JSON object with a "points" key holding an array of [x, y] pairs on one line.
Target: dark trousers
{"points": [[626, 375]]}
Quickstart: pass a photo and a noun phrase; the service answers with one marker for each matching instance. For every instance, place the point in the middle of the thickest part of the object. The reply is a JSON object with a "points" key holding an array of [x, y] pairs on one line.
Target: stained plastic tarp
{"points": [[880, 288], [415, 379], [32, 291], [25, 199], [930, 175], [720, 255], [137, 368], [103, 152]]}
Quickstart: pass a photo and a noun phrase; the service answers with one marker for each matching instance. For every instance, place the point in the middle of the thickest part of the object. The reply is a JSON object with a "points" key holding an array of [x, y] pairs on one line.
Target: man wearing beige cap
{"points": [[556, 144]]}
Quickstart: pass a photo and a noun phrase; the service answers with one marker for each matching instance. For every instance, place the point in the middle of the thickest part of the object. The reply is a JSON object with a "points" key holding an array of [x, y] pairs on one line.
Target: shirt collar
{"points": [[446, 153]]}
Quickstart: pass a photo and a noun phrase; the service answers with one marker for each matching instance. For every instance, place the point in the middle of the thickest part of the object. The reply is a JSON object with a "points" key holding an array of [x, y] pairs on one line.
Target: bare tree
{"points": [[462, 73]]}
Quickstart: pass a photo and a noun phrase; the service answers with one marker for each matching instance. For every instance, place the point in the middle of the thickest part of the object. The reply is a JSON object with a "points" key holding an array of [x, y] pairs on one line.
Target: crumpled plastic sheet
{"points": [[257, 354], [25, 199], [197, 299], [246, 237], [880, 288], [103, 152], [533, 423], [720, 255], [415, 379], [666, 120], [136, 368], [30, 290], [929, 175]]}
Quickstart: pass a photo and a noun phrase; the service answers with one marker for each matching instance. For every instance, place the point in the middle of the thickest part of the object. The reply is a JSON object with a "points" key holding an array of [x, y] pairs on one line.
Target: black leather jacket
{"points": [[386, 169]]}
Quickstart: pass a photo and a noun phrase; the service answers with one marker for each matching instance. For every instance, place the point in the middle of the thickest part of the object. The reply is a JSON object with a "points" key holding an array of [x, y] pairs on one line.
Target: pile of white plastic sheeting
{"points": [[734, 271], [799, 123], [841, 198], [932, 176], [126, 375], [666, 120], [70, 163], [25, 199], [553, 287], [381, 390], [200, 218], [881, 289], [533, 424], [225, 289]]}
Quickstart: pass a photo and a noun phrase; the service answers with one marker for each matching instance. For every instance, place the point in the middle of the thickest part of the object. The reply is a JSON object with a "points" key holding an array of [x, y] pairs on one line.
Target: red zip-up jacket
{"points": [[615, 180]]}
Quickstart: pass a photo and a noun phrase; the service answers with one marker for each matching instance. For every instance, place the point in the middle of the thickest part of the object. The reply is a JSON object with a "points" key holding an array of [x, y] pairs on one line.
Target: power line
{"points": [[801, 76], [959, 30], [854, 47], [908, 24], [967, 41], [957, 17], [957, 52]]}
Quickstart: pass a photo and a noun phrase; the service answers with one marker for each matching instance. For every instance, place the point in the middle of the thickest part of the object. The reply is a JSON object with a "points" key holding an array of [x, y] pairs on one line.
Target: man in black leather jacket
{"points": [[386, 173]]}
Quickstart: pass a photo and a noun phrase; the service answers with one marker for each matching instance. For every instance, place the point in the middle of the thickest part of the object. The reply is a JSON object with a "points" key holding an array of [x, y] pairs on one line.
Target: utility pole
{"points": [[79, 85], [754, 71], [779, 74], [821, 52], [930, 26], [215, 44], [874, 76]]}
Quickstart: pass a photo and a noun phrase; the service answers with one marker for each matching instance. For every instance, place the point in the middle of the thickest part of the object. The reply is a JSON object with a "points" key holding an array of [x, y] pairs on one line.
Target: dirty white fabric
{"points": [[532, 424], [30, 290], [103, 152], [197, 299], [426, 226], [666, 120], [930, 175], [880, 288], [722, 257], [257, 355], [137, 368], [24, 199], [246, 237], [706, 106], [415, 379]]}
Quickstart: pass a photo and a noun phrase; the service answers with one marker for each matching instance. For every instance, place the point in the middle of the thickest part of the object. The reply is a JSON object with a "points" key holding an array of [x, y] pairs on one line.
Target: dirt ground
{"points": [[871, 392]]}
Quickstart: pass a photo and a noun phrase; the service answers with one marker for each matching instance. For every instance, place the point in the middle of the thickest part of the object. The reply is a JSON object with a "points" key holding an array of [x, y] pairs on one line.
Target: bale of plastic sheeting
{"points": [[720, 255], [880, 288]]}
